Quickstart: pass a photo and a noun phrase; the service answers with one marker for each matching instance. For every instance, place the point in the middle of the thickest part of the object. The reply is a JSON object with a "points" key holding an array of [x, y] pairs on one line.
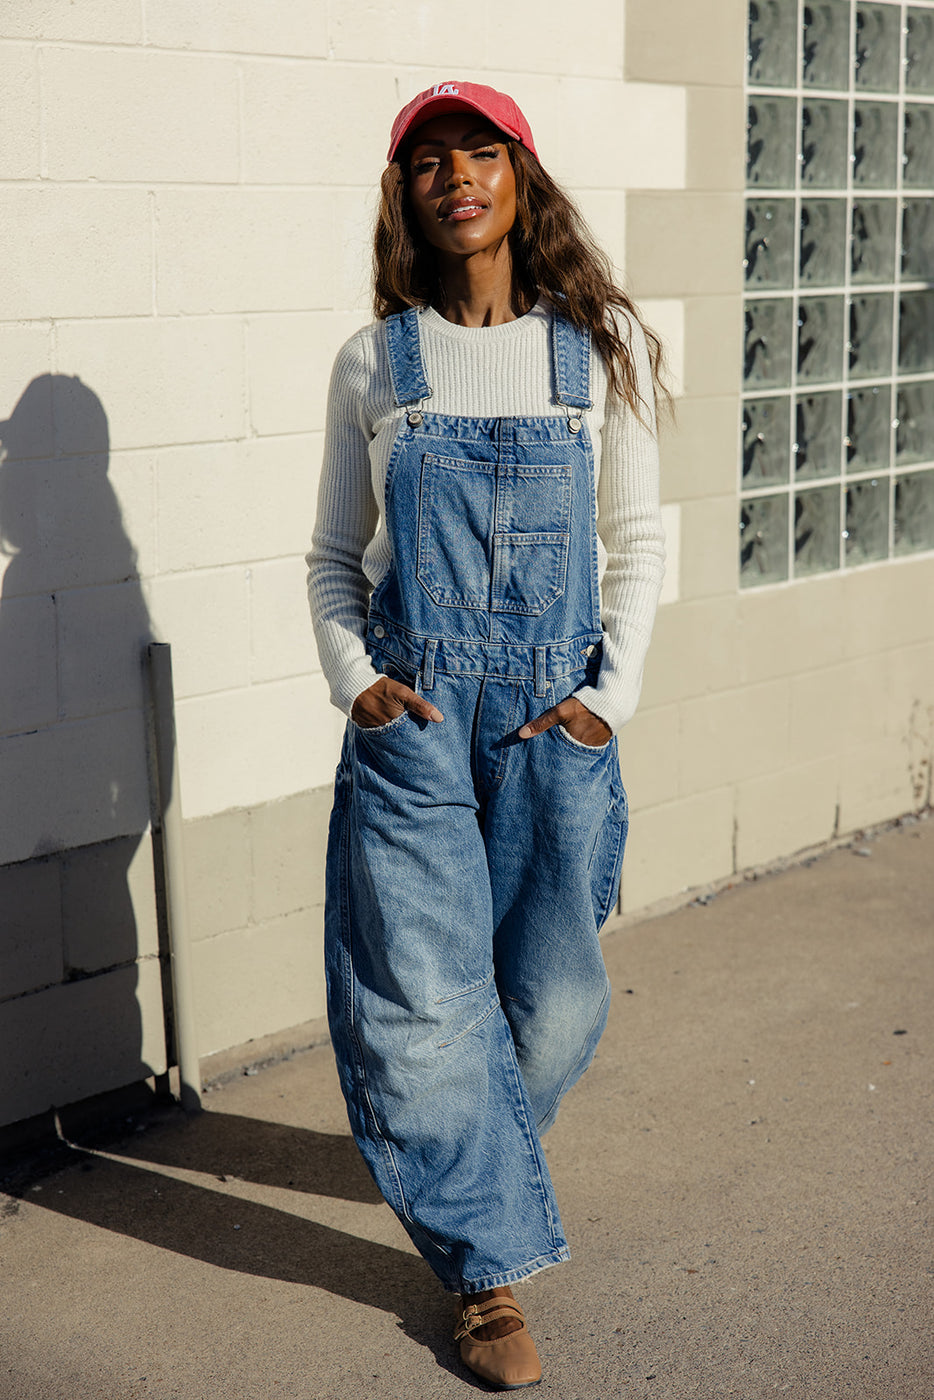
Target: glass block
{"points": [[770, 51], [914, 430], [875, 144], [763, 540], [869, 428], [766, 432], [820, 338], [918, 171], [771, 142], [770, 242], [878, 36], [824, 131], [916, 332], [818, 435], [823, 242], [867, 521], [826, 44], [875, 237], [914, 512], [817, 531], [918, 240], [871, 326], [919, 53], [767, 349]]}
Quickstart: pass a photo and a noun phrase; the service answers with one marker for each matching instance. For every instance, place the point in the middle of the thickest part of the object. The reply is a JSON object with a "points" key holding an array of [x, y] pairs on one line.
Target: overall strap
{"points": [[405, 358], [571, 352]]}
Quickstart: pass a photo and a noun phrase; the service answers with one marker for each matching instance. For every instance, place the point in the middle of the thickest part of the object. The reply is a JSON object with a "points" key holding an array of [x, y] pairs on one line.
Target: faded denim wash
{"points": [[469, 872]]}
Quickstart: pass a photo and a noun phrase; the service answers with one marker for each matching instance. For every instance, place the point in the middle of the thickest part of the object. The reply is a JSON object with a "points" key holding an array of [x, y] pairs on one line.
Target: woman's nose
{"points": [[458, 172]]}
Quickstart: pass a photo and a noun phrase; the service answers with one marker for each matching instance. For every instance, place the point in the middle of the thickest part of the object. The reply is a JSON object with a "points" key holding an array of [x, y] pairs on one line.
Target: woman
{"points": [[483, 580]]}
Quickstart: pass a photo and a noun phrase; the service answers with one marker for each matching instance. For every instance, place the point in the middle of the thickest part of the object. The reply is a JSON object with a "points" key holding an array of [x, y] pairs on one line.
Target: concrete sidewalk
{"points": [[744, 1173]]}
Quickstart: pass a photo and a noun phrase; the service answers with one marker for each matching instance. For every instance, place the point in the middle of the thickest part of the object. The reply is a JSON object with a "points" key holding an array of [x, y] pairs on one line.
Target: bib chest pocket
{"points": [[493, 536]]}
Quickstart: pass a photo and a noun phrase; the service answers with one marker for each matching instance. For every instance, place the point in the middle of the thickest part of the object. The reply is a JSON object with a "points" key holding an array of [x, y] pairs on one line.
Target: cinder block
{"points": [[91, 244], [877, 782], [65, 523], [406, 34], [888, 605], [677, 847], [649, 748], [282, 641], [29, 684], [701, 43], [25, 392], [285, 736], [651, 121], [218, 873], [205, 617], [289, 362], [713, 357], [290, 135], [277, 251], [255, 981], [700, 451], [109, 904], [353, 212], [910, 672], [134, 115], [290, 27], [72, 785], [19, 83], [252, 500], [709, 547], [695, 650], [837, 709], [30, 927], [106, 21], [162, 380], [540, 38], [289, 845], [782, 813], [102, 633], [665, 317], [783, 631], [687, 244], [737, 734], [716, 121], [605, 214], [80, 1039]]}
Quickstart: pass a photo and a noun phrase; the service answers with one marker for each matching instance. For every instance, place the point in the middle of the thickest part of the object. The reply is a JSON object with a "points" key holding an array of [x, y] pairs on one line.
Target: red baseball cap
{"points": [[462, 97]]}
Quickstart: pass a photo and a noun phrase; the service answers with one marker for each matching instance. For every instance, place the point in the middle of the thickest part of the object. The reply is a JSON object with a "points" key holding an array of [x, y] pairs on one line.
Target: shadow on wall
{"points": [[78, 953]]}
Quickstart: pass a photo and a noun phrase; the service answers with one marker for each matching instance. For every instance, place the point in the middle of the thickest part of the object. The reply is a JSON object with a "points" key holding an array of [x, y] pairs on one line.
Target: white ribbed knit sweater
{"points": [[485, 372]]}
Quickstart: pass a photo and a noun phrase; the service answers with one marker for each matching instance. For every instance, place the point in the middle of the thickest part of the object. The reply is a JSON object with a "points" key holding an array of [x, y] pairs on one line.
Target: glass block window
{"points": [[837, 460]]}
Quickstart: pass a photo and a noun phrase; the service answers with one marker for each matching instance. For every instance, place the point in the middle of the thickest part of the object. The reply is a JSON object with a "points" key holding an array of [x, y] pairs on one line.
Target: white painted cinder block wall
{"points": [[186, 193]]}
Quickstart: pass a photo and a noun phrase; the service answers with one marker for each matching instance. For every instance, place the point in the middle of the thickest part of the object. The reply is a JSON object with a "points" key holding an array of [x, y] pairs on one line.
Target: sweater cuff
{"points": [[353, 681], [615, 709]]}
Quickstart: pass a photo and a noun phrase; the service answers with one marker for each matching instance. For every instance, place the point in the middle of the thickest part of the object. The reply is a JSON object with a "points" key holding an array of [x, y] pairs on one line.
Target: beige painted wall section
{"points": [[186, 195], [777, 718]]}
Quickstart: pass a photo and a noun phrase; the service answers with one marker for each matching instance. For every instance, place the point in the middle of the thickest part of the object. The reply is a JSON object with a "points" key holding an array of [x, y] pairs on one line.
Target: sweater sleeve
{"points": [[338, 589], [629, 524]]}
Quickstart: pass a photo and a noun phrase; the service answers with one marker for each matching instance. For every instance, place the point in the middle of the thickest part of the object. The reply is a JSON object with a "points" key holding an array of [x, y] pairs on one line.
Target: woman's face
{"points": [[462, 184]]}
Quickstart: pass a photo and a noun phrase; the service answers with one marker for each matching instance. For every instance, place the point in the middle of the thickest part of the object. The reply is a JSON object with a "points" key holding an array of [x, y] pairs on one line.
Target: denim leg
{"points": [[436, 1100], [555, 830]]}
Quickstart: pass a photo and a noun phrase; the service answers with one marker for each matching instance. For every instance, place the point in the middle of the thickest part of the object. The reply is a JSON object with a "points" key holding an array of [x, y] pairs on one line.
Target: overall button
{"points": [[574, 425], [414, 419], [379, 631]]}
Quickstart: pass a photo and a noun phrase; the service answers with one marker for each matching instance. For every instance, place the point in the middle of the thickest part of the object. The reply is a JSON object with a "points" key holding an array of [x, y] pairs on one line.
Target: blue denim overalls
{"points": [[469, 872]]}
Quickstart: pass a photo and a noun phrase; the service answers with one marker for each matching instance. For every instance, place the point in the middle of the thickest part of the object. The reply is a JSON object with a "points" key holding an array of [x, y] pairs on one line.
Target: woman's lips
{"points": [[462, 211]]}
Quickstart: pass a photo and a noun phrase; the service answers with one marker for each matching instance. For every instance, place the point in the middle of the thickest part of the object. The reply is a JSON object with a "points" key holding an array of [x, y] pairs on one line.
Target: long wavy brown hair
{"points": [[553, 253]]}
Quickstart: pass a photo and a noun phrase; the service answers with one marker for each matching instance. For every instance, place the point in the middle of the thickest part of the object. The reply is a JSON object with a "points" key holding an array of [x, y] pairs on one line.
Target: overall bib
{"points": [[469, 871]]}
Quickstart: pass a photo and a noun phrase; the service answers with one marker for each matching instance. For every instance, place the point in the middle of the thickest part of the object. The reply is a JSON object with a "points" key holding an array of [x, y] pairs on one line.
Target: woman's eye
{"points": [[490, 154], [421, 167]]}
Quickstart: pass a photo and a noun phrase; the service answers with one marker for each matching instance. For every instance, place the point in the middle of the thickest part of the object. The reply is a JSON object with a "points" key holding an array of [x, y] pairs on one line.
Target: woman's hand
{"points": [[582, 724], [385, 700]]}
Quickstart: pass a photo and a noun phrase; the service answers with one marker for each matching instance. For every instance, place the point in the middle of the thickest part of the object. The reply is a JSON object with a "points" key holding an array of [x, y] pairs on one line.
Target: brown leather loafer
{"points": [[510, 1362]]}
